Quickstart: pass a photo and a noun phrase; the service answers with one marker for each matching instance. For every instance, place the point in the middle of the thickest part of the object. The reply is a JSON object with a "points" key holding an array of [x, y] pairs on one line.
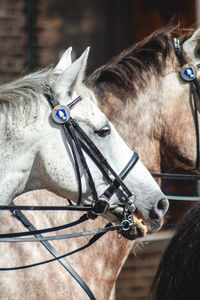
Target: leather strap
{"points": [[176, 176], [56, 254], [46, 230], [62, 236], [195, 90]]}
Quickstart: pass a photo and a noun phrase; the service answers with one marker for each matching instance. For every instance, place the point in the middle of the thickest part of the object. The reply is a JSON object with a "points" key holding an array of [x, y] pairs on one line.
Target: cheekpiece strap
{"points": [[188, 71], [60, 113], [189, 74]]}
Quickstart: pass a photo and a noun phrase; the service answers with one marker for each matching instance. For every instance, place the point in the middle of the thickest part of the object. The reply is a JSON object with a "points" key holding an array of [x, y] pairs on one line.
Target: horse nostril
{"points": [[163, 205], [159, 210]]}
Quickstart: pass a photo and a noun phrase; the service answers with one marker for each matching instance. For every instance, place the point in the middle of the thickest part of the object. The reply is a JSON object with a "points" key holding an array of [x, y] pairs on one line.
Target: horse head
{"points": [[40, 153], [143, 84], [180, 112]]}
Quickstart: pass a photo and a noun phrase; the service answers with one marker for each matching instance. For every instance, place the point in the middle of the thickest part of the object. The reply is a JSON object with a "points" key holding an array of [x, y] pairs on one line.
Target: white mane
{"points": [[26, 88], [26, 92]]}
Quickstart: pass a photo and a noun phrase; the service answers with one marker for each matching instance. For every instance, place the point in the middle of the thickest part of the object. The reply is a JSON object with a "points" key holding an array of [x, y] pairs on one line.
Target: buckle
{"points": [[99, 208], [176, 43]]}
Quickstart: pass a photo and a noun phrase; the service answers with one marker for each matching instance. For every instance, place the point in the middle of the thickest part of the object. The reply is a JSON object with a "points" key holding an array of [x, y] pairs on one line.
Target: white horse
{"points": [[35, 155]]}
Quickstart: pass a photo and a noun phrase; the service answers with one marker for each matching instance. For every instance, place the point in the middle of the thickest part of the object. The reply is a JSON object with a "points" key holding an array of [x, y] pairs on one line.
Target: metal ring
{"points": [[126, 224]]}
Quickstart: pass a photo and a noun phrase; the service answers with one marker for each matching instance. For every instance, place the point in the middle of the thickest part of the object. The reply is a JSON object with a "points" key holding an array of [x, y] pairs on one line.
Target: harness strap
{"points": [[55, 253], [46, 207], [176, 176], [91, 241], [69, 127], [71, 144], [101, 157], [132, 162], [195, 90], [98, 163], [195, 95], [62, 236], [54, 102], [46, 230]]}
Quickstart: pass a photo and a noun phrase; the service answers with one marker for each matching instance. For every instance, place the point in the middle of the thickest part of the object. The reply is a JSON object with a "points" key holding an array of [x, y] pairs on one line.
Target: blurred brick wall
{"points": [[73, 23], [13, 39], [34, 33], [103, 25]]}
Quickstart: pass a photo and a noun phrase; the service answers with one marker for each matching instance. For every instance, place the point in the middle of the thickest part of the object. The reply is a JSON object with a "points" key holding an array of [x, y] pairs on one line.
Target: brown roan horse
{"points": [[142, 94]]}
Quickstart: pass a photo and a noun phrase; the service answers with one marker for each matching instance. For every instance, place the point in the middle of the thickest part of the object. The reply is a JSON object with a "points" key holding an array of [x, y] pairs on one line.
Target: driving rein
{"points": [[79, 144]]}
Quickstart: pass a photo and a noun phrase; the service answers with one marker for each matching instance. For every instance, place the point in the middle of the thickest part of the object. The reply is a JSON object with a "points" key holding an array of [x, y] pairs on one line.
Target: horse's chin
{"points": [[138, 228]]}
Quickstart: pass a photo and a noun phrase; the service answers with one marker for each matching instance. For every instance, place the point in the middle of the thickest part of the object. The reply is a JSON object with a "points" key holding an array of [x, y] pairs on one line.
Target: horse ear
{"points": [[64, 62], [192, 45], [72, 75]]}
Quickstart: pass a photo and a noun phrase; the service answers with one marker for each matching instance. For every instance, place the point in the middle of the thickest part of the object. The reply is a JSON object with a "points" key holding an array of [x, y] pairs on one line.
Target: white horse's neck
{"points": [[19, 144], [17, 157]]}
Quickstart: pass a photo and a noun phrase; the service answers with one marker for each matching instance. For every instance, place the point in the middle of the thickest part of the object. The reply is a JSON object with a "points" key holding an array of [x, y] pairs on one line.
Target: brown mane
{"points": [[124, 75]]}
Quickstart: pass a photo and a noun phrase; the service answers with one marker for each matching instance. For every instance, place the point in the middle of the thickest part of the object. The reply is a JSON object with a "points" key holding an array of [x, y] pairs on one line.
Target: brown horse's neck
{"points": [[178, 143], [141, 93]]}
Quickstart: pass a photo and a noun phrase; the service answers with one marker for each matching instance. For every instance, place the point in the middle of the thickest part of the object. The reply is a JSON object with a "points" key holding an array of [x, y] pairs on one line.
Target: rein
{"points": [[55, 253]]}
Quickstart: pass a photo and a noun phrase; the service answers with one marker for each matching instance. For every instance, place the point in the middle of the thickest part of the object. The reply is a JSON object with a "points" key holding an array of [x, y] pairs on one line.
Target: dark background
{"points": [[33, 33]]}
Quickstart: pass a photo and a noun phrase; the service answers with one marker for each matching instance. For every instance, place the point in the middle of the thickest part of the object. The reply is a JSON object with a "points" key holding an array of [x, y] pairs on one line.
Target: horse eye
{"points": [[102, 132]]}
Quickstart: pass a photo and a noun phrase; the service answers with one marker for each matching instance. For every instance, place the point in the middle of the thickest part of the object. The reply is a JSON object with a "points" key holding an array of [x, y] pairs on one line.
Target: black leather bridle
{"points": [[79, 144], [188, 73]]}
